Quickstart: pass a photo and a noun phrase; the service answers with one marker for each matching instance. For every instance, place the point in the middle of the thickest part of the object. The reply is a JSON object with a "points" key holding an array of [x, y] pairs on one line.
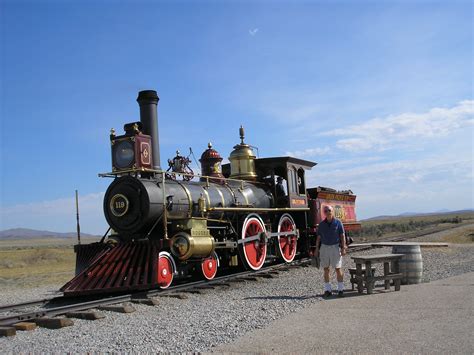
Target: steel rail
{"points": [[56, 311], [10, 307]]}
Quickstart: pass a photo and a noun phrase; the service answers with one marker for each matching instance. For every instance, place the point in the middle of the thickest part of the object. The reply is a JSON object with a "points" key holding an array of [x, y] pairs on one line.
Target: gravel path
{"points": [[203, 321]]}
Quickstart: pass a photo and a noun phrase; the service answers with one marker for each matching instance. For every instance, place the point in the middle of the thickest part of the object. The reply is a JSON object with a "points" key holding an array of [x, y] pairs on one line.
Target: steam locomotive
{"points": [[175, 225]]}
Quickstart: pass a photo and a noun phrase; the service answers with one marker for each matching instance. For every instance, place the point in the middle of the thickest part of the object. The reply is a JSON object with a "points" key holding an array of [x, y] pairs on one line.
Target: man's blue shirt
{"points": [[330, 232]]}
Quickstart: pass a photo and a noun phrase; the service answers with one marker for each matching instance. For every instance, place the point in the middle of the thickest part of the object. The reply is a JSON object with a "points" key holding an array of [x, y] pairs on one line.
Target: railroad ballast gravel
{"points": [[202, 321]]}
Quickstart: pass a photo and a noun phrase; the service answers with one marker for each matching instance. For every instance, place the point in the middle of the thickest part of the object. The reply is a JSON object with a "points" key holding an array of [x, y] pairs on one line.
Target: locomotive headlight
{"points": [[124, 154]]}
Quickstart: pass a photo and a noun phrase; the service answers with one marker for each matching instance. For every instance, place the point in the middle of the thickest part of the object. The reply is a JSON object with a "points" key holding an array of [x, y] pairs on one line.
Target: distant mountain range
{"points": [[25, 233], [416, 214]]}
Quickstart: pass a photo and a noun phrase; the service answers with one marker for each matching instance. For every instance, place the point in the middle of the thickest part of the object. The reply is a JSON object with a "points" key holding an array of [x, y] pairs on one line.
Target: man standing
{"points": [[333, 247]]}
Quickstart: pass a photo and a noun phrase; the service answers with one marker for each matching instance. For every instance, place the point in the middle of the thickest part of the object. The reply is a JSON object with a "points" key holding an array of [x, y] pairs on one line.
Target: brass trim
{"points": [[112, 208], [231, 192], [222, 199], [208, 197], [165, 211], [146, 170], [190, 198], [253, 209], [222, 196], [245, 196]]}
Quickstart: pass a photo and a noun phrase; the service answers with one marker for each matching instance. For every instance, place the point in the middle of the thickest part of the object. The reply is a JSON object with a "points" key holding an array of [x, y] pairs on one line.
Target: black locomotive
{"points": [[168, 225]]}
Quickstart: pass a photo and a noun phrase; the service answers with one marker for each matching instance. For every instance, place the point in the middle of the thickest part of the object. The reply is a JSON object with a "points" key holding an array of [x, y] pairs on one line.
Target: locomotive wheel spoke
{"points": [[287, 244], [254, 253]]}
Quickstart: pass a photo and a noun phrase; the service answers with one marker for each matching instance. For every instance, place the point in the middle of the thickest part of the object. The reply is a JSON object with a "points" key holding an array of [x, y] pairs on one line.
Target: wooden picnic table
{"points": [[391, 268]]}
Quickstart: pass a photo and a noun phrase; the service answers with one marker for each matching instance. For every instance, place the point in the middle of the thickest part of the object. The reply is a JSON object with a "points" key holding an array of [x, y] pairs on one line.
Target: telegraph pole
{"points": [[77, 219]]}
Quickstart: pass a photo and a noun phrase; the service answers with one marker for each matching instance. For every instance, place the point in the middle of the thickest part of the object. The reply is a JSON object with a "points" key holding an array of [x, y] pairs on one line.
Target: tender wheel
{"points": [[166, 269], [287, 244], [254, 252], [209, 266]]}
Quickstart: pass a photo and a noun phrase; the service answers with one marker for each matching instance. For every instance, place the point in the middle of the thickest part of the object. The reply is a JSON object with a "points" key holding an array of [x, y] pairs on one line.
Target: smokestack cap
{"points": [[147, 97]]}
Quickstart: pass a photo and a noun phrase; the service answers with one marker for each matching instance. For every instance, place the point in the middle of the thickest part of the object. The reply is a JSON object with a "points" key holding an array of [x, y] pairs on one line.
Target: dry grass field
{"points": [[50, 261], [384, 228], [36, 262]]}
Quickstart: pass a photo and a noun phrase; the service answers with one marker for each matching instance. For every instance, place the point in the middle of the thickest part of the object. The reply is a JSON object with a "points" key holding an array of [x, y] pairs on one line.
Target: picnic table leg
{"points": [[386, 272], [369, 277], [360, 287], [396, 269]]}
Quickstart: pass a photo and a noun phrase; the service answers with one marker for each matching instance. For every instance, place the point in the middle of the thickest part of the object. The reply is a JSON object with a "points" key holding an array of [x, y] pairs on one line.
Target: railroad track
{"points": [[57, 306]]}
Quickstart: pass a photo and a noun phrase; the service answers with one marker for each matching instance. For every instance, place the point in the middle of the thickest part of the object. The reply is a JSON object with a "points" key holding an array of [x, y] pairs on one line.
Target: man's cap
{"points": [[279, 178], [328, 208]]}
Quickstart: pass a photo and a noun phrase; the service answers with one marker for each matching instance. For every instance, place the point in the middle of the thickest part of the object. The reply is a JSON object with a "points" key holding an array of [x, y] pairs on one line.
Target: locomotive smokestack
{"points": [[148, 101]]}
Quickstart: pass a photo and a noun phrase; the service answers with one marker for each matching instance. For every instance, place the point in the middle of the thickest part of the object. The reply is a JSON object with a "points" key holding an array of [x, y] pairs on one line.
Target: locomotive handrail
{"points": [[144, 170]]}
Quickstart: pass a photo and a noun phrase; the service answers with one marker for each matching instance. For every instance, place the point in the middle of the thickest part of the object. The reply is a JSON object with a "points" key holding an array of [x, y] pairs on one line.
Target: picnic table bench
{"points": [[366, 278]]}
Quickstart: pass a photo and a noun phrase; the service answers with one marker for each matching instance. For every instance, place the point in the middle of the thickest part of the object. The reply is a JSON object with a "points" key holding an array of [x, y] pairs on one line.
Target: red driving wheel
{"points": [[209, 266], [254, 251], [166, 269], [287, 243]]}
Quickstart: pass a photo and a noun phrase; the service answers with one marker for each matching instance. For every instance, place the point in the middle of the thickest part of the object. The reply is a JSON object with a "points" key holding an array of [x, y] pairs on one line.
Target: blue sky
{"points": [[379, 93]]}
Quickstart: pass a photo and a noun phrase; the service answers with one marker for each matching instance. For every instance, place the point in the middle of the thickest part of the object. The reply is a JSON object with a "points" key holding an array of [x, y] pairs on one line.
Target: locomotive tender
{"points": [[168, 225]]}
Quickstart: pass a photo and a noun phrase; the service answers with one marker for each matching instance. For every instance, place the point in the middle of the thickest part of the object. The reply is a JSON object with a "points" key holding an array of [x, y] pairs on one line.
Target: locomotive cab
{"points": [[289, 173]]}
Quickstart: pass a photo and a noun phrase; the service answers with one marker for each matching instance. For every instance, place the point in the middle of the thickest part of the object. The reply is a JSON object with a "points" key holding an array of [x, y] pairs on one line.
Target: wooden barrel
{"points": [[411, 264]]}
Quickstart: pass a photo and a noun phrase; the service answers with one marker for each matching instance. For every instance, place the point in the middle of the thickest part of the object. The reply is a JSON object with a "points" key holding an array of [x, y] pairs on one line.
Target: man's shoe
{"points": [[327, 294], [340, 294]]}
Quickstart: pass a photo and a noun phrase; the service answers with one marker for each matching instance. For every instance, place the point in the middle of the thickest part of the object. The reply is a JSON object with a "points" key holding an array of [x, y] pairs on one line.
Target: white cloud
{"points": [[253, 32], [308, 153], [405, 171], [385, 133], [422, 184]]}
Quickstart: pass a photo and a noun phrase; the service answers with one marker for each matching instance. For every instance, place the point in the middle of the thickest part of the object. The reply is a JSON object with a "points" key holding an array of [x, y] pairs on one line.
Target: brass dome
{"points": [[242, 160]]}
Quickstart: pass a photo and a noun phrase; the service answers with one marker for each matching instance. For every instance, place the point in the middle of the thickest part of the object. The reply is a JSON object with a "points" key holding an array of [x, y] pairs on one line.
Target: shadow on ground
{"points": [[347, 294]]}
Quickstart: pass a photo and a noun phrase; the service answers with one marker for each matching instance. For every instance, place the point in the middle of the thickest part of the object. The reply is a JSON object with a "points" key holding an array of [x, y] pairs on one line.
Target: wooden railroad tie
{"points": [[54, 323], [239, 280], [266, 276], [250, 278], [89, 315], [7, 331], [146, 301], [123, 308], [294, 266], [25, 326], [180, 296]]}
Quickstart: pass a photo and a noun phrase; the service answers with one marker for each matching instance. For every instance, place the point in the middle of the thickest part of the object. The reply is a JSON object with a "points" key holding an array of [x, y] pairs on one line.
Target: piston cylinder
{"points": [[193, 241]]}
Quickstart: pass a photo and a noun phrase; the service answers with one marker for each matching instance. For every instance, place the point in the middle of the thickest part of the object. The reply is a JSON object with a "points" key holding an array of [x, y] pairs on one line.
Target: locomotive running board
{"points": [[125, 267]]}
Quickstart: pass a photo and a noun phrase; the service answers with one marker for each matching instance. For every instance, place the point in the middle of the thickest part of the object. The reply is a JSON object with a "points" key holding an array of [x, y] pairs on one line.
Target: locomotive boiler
{"points": [[168, 225]]}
